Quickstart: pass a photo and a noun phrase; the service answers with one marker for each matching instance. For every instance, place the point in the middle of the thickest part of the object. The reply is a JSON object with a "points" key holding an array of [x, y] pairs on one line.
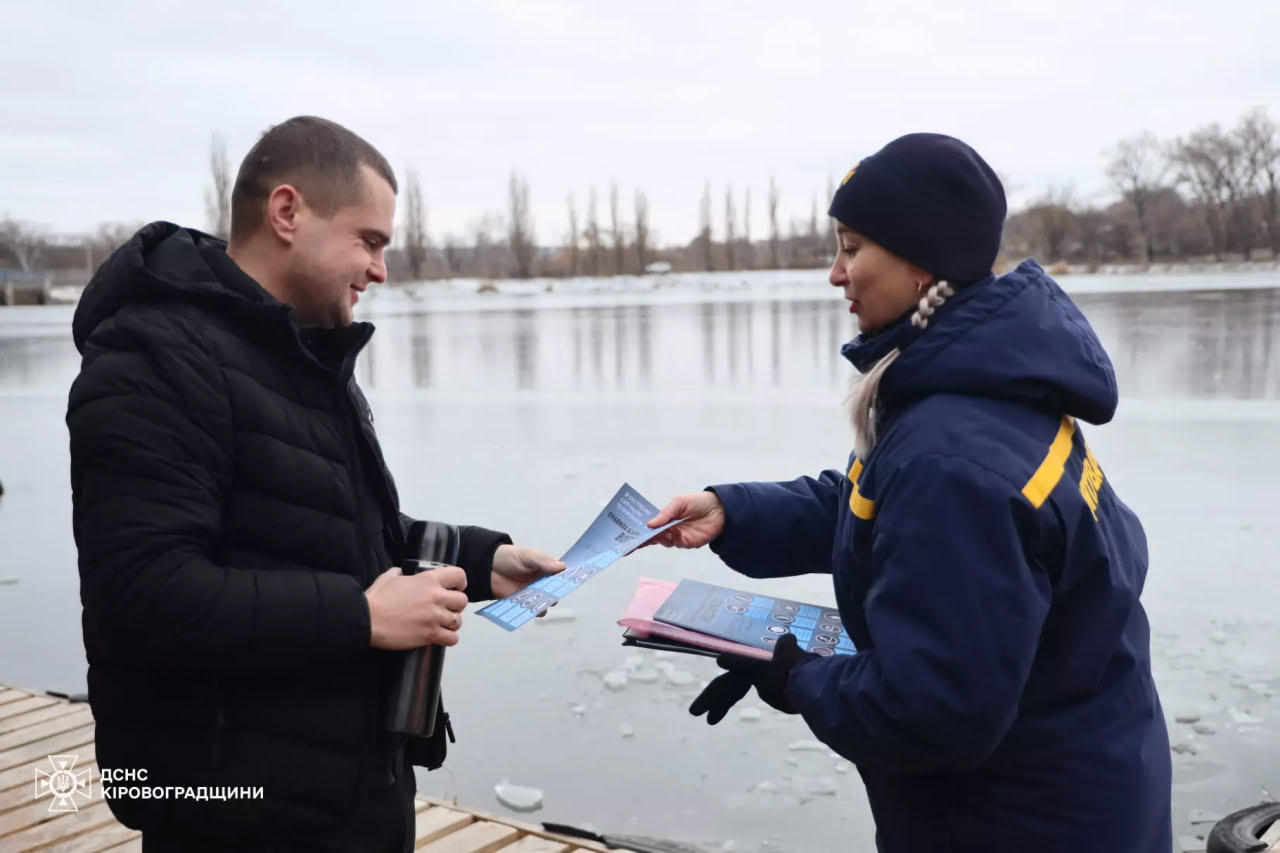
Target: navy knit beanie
{"points": [[929, 199]]}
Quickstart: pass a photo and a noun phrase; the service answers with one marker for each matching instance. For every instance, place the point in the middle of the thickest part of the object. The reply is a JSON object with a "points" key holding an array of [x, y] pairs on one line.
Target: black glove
{"points": [[768, 677]]}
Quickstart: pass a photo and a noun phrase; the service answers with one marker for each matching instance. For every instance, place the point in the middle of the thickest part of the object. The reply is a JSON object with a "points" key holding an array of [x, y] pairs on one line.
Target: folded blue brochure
{"points": [[617, 531]]}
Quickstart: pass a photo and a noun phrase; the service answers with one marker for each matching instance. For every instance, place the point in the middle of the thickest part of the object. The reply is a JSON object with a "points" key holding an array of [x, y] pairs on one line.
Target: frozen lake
{"points": [[526, 410]]}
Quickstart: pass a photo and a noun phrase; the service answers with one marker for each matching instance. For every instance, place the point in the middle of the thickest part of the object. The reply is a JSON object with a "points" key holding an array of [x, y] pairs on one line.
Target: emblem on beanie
{"points": [[849, 174]]}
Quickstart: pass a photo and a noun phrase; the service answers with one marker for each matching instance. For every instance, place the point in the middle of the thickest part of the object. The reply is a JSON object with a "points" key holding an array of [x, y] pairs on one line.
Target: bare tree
{"points": [[593, 234], [1259, 140], [796, 242], [1118, 238], [520, 226], [24, 242], [704, 230], [217, 196], [615, 224], [1196, 161], [1232, 167], [1216, 165], [729, 227], [815, 239], [642, 230], [1091, 227], [453, 259], [415, 225], [1137, 169], [1052, 213], [481, 263], [749, 263], [1177, 225], [573, 237], [486, 257], [773, 224]]}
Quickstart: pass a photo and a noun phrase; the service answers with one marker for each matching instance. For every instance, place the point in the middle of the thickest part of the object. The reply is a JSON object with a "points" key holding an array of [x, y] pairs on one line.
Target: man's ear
{"points": [[284, 209]]}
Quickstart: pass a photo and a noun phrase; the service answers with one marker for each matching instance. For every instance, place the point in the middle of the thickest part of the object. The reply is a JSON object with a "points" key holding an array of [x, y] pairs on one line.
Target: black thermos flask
{"points": [[415, 692]]}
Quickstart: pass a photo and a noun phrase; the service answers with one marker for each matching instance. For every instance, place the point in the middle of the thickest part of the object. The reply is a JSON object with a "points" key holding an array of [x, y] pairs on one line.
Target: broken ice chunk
{"points": [[822, 786], [807, 746], [644, 675], [518, 798], [1244, 718], [680, 678]]}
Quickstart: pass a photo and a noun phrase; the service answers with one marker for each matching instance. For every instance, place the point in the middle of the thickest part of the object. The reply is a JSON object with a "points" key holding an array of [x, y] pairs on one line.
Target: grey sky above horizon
{"points": [[108, 109]]}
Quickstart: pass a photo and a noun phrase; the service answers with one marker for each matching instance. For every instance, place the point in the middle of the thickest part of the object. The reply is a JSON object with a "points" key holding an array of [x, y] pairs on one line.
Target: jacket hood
{"points": [[1015, 337], [162, 261]]}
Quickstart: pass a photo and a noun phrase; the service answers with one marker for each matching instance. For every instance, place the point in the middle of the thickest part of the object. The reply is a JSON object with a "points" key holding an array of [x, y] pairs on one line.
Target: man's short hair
{"points": [[318, 157]]}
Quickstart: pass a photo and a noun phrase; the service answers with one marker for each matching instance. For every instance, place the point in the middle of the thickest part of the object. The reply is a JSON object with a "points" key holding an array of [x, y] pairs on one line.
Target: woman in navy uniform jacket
{"points": [[1001, 698]]}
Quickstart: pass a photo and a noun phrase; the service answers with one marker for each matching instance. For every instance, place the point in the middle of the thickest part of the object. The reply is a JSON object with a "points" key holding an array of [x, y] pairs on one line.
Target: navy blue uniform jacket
{"points": [[1002, 697]]}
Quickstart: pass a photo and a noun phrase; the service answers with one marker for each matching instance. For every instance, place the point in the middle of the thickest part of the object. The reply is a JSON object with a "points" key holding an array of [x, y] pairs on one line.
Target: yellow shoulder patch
{"points": [[1046, 477], [863, 508], [849, 174]]}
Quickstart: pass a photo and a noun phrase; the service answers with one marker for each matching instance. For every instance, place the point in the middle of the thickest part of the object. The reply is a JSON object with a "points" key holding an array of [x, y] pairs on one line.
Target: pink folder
{"points": [[649, 597]]}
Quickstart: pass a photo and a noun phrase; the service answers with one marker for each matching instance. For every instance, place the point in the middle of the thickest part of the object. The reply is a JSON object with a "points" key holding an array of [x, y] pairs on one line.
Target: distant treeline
{"points": [[1212, 194]]}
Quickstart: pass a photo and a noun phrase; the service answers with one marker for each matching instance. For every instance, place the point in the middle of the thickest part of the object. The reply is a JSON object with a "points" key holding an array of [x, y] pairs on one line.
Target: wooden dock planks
{"points": [[34, 726]]}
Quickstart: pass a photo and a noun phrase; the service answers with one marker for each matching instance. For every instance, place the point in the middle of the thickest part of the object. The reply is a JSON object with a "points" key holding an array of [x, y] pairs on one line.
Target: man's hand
{"points": [[424, 609], [703, 516], [517, 566]]}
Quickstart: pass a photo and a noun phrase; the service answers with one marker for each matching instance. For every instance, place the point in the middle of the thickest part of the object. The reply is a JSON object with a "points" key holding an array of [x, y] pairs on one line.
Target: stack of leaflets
{"points": [[702, 619]]}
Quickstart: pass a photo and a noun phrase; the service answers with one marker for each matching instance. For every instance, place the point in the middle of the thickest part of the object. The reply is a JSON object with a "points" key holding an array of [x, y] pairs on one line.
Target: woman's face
{"points": [[879, 285]]}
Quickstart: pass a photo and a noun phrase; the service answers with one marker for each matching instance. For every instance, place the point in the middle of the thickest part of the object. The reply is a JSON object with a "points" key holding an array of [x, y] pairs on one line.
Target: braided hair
{"points": [[862, 400]]}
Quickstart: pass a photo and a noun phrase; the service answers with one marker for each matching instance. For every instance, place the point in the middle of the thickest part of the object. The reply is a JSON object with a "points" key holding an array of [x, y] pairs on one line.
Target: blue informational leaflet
{"points": [[754, 620], [617, 531]]}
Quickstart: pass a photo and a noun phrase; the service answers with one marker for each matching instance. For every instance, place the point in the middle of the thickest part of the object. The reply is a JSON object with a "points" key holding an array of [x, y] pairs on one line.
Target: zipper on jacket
{"points": [[339, 375], [357, 467], [358, 442], [371, 704]]}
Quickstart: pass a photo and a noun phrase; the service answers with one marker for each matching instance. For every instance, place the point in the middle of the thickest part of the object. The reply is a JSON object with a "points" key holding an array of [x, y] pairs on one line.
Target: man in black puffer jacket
{"points": [[237, 526]]}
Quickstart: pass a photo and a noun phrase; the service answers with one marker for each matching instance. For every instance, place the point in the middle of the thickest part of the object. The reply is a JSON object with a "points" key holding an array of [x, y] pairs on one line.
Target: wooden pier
{"points": [[34, 726], [38, 291]]}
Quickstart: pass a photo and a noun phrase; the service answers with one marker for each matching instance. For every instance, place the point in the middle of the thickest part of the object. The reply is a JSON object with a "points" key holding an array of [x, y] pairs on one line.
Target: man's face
{"points": [[332, 260]]}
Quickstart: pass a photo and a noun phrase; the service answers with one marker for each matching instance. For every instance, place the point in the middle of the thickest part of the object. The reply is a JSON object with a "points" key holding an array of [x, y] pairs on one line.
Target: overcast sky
{"points": [[106, 109]]}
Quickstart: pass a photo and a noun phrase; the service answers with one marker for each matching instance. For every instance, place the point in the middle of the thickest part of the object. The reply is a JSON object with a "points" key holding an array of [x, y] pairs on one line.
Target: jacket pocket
{"points": [[430, 752]]}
